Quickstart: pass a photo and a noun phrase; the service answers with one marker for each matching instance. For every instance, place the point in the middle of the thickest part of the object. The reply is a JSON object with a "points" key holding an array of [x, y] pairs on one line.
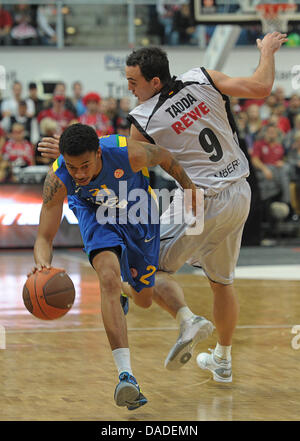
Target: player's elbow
{"points": [[263, 90]]}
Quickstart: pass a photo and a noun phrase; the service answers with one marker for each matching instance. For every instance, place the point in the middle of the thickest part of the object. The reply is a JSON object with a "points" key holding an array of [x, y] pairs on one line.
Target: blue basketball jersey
{"points": [[122, 194], [117, 209]]}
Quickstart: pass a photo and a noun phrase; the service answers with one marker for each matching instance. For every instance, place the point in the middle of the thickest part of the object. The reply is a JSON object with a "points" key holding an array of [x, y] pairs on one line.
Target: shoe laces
{"points": [[125, 376]]}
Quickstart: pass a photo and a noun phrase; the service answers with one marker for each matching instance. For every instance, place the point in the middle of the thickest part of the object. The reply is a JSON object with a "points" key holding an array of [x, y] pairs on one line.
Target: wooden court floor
{"points": [[63, 369]]}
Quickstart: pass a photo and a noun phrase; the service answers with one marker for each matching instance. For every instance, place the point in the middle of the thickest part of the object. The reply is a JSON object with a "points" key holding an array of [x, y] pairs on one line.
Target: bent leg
{"points": [[107, 267], [143, 299], [168, 294]]}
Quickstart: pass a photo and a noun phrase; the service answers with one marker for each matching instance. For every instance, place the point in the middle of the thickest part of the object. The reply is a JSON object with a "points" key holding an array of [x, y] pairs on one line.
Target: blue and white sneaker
{"points": [[124, 303], [128, 393]]}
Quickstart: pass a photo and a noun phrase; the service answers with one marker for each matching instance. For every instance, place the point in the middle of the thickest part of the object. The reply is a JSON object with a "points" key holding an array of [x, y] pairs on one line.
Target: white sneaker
{"points": [[192, 331], [221, 369]]}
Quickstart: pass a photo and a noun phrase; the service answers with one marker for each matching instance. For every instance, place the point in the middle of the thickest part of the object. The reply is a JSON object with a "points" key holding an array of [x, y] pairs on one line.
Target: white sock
{"points": [[122, 360], [223, 352], [183, 313]]}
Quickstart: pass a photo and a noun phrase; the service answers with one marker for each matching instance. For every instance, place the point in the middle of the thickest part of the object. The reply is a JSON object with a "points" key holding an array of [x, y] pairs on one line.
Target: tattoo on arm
{"points": [[51, 186], [158, 155]]}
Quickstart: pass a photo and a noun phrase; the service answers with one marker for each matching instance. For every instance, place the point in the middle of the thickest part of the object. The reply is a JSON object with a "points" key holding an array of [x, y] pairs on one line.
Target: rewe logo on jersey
{"points": [[190, 117]]}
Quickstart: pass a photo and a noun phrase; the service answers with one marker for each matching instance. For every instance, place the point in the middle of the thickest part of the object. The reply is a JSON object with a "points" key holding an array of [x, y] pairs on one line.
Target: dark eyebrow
{"points": [[71, 165]]}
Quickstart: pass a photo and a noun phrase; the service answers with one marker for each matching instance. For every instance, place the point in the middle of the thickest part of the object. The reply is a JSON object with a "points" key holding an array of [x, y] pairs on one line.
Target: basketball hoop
{"points": [[274, 16]]}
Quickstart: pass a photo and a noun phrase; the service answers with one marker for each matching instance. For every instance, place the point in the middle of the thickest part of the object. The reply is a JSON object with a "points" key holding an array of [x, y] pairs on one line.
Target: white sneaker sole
{"points": [[182, 352], [126, 394]]}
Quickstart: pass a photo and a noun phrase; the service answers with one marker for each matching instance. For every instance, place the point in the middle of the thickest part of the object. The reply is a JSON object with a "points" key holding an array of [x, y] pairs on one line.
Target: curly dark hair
{"points": [[152, 61], [77, 139]]}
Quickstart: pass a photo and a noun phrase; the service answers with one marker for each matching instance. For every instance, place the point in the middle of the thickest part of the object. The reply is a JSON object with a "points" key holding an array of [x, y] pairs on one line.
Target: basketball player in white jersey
{"points": [[190, 116]]}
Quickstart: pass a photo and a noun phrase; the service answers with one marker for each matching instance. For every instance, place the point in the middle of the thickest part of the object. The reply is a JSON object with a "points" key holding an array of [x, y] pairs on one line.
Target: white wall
{"points": [[103, 71]]}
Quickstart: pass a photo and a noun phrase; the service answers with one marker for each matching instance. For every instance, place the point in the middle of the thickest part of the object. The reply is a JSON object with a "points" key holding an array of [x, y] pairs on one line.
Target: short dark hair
{"points": [[152, 61], [77, 139], [32, 86]]}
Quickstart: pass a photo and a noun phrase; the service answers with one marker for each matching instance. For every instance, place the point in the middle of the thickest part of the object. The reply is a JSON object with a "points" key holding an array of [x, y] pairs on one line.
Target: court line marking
{"points": [[170, 328]]}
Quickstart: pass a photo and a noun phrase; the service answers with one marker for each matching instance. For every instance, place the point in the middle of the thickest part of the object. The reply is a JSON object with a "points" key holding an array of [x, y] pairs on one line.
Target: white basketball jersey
{"points": [[192, 119]]}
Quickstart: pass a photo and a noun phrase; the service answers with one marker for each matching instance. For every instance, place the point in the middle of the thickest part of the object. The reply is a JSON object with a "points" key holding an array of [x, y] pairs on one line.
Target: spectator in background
{"points": [[123, 127], [20, 118], [293, 108], [184, 28], [111, 111], [5, 166], [235, 105], [94, 117], [283, 122], [253, 125], [294, 159], [24, 31], [58, 112], [121, 123], [47, 34], [6, 22], [48, 127], [279, 93], [165, 16], [272, 171], [60, 89], [77, 98], [10, 106], [267, 108], [241, 119], [33, 98], [2, 138], [289, 137], [17, 150], [124, 107]]}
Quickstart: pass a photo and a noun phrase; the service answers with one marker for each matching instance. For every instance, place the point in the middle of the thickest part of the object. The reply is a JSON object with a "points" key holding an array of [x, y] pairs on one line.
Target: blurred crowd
{"points": [[270, 131], [26, 25], [175, 25], [25, 118]]}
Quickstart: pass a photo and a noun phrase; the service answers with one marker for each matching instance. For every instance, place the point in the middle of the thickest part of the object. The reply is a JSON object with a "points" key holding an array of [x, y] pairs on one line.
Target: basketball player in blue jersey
{"points": [[192, 113], [90, 172]]}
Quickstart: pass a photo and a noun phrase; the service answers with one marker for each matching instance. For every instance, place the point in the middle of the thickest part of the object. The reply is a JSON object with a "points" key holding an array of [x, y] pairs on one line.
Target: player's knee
{"points": [[143, 302], [109, 281]]}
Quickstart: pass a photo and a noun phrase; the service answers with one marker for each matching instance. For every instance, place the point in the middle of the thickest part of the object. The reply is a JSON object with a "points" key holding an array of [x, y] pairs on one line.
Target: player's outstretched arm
{"points": [[49, 147], [54, 193], [260, 84]]}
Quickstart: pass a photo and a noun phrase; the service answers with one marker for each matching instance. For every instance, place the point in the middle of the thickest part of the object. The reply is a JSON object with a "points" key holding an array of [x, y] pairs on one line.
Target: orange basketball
{"points": [[49, 294]]}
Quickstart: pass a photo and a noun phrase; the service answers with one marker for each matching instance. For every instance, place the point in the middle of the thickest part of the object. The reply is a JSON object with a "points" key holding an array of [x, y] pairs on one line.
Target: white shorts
{"points": [[216, 249]]}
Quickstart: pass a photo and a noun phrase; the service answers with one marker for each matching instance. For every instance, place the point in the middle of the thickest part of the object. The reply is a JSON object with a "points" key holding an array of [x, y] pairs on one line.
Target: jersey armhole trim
{"points": [[211, 81], [140, 129]]}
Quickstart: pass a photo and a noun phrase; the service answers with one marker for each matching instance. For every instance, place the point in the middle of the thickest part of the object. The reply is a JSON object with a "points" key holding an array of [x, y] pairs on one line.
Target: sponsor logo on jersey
{"points": [[118, 173], [190, 117], [230, 168]]}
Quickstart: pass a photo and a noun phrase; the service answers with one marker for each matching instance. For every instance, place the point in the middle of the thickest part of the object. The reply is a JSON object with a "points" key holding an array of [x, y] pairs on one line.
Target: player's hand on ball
{"points": [[39, 267]]}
